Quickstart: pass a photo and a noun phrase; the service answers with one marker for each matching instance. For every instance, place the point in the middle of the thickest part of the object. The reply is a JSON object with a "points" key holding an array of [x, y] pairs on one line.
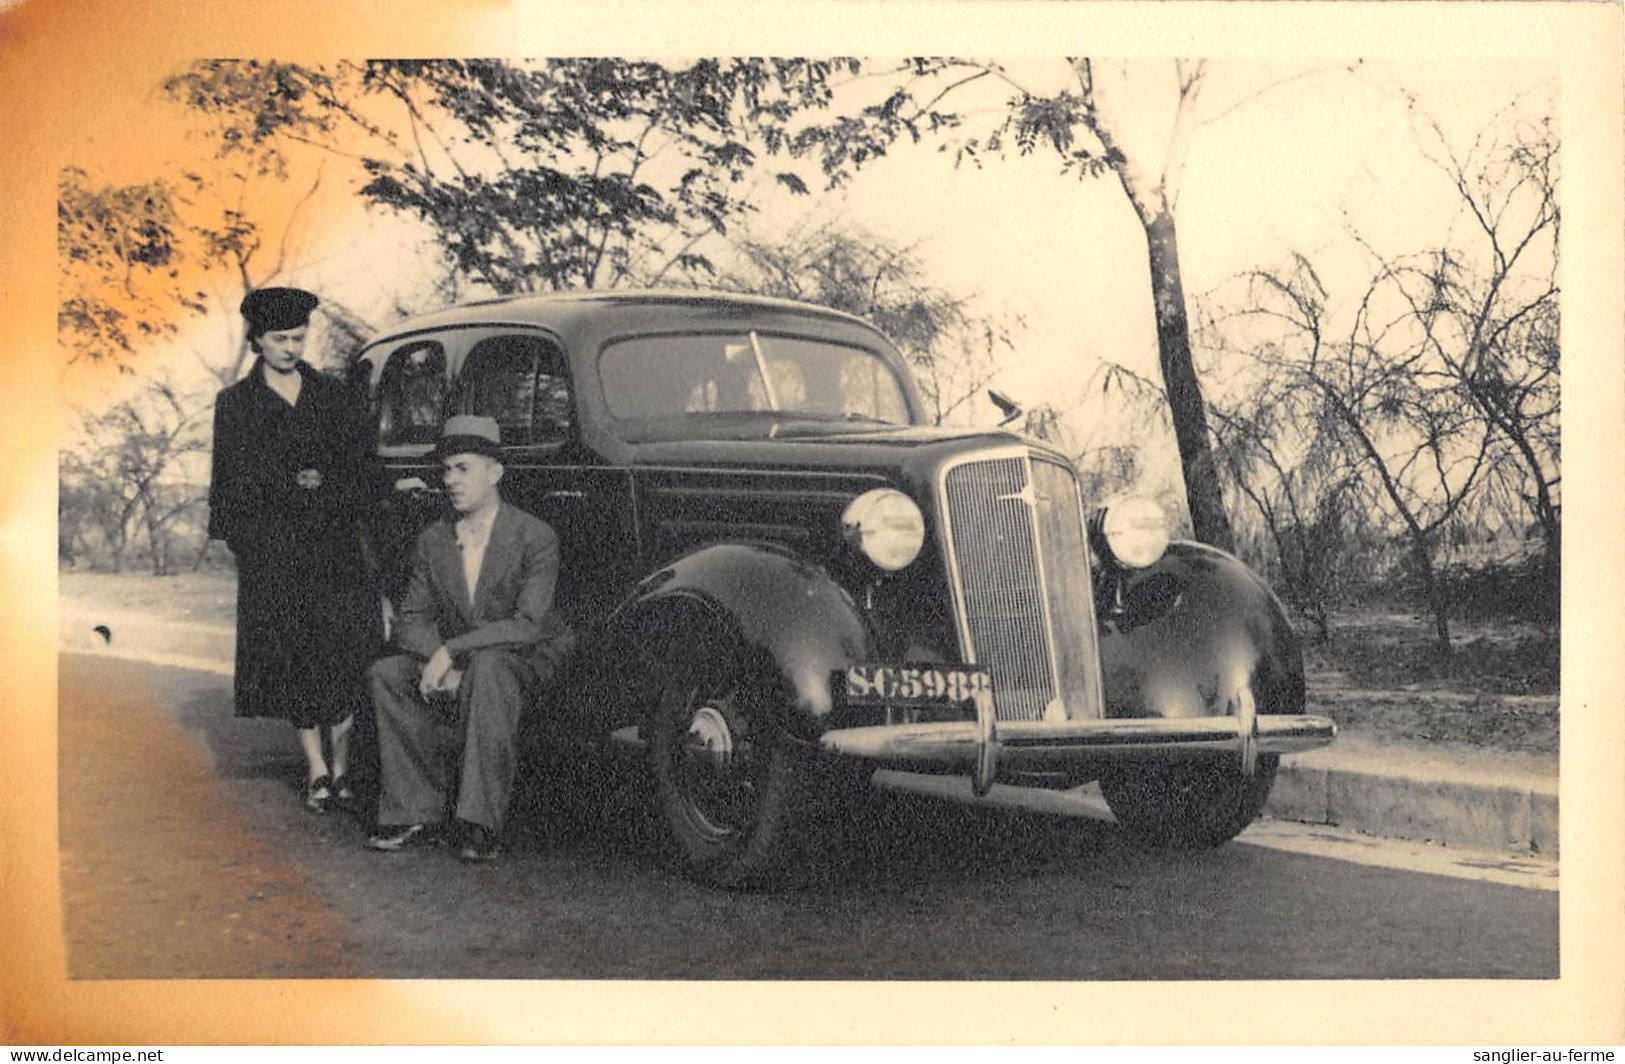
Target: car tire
{"points": [[729, 784], [1187, 806]]}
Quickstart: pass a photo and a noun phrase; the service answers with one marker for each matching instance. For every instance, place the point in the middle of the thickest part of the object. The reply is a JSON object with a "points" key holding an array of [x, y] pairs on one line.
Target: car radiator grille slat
{"points": [[1071, 593], [991, 526]]}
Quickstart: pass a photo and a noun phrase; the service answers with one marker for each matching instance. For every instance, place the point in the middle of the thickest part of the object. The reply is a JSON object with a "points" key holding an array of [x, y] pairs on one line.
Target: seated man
{"points": [[481, 639]]}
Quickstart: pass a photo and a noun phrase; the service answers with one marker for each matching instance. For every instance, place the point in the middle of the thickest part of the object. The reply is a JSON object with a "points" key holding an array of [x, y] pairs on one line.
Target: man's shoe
{"points": [[393, 837], [479, 844]]}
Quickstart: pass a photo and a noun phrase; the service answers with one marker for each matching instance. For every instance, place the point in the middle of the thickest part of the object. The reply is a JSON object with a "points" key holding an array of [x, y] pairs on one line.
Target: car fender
{"points": [[1182, 637], [758, 608]]}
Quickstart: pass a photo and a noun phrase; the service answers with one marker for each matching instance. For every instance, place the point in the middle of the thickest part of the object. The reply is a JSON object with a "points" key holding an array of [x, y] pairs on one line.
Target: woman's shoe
{"points": [[343, 794], [318, 794]]}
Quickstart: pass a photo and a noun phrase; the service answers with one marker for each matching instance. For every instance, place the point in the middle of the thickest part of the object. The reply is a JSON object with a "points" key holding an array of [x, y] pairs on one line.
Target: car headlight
{"points": [[886, 526], [1131, 531]]}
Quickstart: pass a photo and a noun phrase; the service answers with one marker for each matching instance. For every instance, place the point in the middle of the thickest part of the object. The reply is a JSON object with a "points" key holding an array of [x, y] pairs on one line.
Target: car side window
{"points": [[521, 381], [412, 393]]}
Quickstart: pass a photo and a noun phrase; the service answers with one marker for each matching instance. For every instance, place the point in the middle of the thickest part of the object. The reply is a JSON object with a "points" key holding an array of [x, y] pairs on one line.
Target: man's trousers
{"points": [[481, 723]]}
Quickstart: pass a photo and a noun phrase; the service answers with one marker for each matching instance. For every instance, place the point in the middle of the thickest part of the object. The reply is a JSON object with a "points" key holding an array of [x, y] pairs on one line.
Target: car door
{"points": [[521, 378], [408, 403]]}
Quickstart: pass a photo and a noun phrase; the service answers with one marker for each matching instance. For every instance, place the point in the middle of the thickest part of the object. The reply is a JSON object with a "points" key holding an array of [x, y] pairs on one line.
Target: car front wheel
{"points": [[728, 783], [1187, 806]]}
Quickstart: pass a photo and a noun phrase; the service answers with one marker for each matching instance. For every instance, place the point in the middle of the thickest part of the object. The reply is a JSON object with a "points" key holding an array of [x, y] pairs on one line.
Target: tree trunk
{"points": [[1543, 507], [1545, 513], [155, 547], [1434, 593], [157, 540], [1209, 520], [1322, 622]]}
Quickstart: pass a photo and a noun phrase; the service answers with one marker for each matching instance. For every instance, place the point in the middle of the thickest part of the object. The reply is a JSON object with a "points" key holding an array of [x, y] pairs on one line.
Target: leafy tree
{"points": [[532, 175], [120, 250], [137, 261], [592, 173], [951, 347]]}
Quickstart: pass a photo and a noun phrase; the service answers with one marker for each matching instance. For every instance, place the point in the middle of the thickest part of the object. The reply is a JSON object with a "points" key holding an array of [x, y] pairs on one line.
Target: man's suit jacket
{"points": [[512, 606]]}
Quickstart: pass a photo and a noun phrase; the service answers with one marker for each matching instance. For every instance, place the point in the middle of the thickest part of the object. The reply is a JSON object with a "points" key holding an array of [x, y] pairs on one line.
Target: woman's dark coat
{"points": [[308, 619]]}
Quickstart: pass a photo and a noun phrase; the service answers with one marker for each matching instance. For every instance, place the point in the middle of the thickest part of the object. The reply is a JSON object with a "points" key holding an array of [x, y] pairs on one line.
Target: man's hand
{"points": [[435, 672]]}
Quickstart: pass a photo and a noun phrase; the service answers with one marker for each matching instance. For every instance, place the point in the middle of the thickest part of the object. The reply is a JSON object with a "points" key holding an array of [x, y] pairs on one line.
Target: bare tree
{"points": [[1126, 453], [951, 345], [126, 473], [241, 249], [1440, 384], [93, 515], [1401, 422], [1485, 307], [1282, 459], [1107, 469]]}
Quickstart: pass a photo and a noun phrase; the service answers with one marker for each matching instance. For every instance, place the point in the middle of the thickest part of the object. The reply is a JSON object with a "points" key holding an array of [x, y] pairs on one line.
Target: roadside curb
{"points": [[1399, 793], [1419, 798]]}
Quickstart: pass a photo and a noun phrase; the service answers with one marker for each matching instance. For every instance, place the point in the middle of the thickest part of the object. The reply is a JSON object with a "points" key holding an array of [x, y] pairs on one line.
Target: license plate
{"points": [[915, 685]]}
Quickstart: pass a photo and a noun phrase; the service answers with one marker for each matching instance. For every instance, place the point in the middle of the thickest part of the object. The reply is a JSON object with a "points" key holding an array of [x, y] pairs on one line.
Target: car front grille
{"points": [[1019, 566]]}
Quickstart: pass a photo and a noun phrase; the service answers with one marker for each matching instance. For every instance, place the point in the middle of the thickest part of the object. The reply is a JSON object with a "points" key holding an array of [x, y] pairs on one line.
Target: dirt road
{"points": [[186, 853], [152, 843]]}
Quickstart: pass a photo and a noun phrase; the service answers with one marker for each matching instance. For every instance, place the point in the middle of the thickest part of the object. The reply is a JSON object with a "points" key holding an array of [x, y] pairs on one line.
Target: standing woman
{"points": [[292, 479]]}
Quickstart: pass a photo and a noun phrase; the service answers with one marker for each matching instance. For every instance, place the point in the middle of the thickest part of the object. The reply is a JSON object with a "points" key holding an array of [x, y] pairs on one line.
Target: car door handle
{"points": [[565, 494], [415, 486]]}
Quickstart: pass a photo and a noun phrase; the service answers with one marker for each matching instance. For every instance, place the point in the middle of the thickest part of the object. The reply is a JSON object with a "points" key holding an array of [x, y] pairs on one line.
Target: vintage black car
{"points": [[783, 578]]}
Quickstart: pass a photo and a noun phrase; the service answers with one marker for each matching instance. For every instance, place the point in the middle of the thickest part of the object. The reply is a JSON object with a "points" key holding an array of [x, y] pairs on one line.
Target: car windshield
{"points": [[732, 373]]}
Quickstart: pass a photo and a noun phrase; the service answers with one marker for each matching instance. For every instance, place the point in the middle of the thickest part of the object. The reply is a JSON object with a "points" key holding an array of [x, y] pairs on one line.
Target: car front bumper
{"points": [[985, 747]]}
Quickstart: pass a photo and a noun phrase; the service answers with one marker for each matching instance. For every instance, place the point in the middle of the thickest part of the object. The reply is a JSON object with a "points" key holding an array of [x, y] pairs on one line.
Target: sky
{"points": [[1279, 173]]}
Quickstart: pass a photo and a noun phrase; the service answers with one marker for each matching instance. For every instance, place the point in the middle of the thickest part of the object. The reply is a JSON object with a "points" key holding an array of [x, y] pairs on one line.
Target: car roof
{"points": [[602, 312], [584, 323]]}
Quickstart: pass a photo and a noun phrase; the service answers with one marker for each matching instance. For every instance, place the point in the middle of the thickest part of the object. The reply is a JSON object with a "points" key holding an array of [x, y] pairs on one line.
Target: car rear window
{"points": [[520, 380], [412, 394]]}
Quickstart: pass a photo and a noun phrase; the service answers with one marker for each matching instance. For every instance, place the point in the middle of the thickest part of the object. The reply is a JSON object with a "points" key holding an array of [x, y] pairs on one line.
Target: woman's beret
{"points": [[275, 309]]}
